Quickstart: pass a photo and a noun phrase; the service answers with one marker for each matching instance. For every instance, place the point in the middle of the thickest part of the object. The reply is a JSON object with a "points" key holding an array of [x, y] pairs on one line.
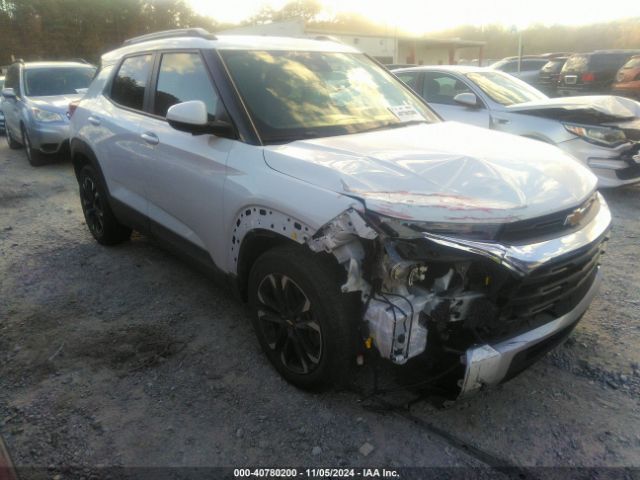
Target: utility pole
{"points": [[519, 50], [515, 29]]}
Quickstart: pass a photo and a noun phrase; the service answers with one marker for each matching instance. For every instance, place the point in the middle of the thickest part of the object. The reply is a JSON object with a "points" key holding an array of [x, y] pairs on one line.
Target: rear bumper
{"points": [[488, 365]]}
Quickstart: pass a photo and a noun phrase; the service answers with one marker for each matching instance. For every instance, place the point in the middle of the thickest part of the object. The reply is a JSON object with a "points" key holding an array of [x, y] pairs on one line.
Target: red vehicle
{"points": [[627, 82]]}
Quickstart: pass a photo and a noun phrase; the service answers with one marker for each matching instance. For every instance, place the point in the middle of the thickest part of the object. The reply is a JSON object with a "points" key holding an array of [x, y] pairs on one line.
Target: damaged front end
{"points": [[482, 300]]}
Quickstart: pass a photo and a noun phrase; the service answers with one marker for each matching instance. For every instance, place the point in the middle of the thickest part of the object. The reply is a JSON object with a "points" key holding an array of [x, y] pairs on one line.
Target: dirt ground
{"points": [[126, 356]]}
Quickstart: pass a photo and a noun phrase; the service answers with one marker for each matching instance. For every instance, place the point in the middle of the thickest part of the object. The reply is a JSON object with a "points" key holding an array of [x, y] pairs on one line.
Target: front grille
{"points": [[554, 224], [558, 286]]}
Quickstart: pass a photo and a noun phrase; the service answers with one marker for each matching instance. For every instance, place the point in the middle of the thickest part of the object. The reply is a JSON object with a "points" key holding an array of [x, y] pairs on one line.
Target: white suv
{"points": [[331, 198]]}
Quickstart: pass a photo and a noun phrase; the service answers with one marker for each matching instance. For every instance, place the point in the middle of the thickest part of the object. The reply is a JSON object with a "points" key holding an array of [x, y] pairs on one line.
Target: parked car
{"points": [[35, 98], [600, 131], [627, 81], [529, 67], [334, 200], [592, 73], [549, 75], [1, 112]]}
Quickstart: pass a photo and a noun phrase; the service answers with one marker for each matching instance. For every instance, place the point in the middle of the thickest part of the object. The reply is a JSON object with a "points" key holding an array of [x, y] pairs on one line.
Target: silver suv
{"points": [[35, 100], [333, 200]]}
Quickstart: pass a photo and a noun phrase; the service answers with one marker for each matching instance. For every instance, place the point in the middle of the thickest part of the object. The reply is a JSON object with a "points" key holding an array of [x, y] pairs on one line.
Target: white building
{"points": [[388, 49]]}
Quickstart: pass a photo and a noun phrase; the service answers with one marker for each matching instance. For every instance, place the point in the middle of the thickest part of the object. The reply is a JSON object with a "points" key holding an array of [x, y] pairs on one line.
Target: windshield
{"points": [[504, 89], [39, 82], [293, 95]]}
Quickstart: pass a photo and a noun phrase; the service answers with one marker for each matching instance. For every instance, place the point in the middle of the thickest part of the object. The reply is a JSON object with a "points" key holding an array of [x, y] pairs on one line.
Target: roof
{"points": [[401, 37], [230, 42]]}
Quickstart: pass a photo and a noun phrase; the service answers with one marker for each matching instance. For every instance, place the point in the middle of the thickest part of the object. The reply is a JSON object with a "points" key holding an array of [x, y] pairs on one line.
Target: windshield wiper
{"points": [[391, 125]]}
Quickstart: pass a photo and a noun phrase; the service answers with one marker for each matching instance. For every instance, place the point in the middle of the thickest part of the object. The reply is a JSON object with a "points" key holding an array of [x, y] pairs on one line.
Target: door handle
{"points": [[150, 138], [500, 121], [94, 120]]}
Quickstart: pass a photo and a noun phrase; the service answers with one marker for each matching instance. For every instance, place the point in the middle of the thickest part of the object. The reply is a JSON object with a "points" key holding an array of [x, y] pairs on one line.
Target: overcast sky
{"points": [[423, 15]]}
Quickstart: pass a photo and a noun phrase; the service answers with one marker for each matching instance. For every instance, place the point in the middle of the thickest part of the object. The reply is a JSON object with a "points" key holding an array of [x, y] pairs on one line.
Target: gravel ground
{"points": [[126, 356]]}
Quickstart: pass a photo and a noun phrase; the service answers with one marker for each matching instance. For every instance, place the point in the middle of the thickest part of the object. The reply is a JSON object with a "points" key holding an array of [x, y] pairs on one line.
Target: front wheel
{"points": [[101, 221], [35, 158], [304, 323]]}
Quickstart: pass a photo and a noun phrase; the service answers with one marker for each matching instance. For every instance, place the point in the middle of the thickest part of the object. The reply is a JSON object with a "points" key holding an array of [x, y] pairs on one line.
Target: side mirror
{"points": [[467, 99], [192, 117], [9, 93], [188, 116]]}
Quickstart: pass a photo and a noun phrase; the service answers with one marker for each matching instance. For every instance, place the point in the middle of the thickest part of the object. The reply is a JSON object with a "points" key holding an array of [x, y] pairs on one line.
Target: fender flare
{"points": [[261, 218], [80, 147]]}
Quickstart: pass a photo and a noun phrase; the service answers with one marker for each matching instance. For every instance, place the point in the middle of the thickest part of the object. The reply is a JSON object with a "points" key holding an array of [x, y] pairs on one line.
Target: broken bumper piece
{"points": [[487, 365]]}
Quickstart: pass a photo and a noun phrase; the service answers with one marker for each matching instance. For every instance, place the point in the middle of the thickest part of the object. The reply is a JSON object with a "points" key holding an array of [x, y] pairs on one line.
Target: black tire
{"points": [[313, 348], [35, 157], [13, 144], [100, 220]]}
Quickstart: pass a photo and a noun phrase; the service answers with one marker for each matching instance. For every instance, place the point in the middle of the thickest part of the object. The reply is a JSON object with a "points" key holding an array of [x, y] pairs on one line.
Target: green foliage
{"points": [[65, 29]]}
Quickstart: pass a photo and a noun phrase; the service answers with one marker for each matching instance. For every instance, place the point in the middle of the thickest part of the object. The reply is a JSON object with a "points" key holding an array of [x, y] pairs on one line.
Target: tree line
{"points": [[67, 29]]}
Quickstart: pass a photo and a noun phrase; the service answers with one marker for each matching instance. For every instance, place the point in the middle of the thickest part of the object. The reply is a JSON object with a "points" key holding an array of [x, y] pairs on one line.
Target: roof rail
{"points": [[180, 32]]}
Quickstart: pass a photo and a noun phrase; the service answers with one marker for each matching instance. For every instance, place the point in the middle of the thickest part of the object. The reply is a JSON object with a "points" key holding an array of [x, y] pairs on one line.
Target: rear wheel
{"points": [[35, 158], [305, 325], [13, 144], [101, 221]]}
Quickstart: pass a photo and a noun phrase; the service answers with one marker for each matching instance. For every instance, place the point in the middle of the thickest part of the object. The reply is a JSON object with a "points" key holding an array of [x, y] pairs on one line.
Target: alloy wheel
{"points": [[92, 206], [287, 320]]}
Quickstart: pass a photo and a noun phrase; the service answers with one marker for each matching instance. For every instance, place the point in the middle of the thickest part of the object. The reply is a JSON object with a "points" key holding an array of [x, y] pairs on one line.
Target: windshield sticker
{"points": [[406, 113]]}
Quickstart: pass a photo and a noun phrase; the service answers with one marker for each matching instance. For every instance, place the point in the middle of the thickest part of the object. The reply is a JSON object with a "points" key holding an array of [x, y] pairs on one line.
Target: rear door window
{"points": [[183, 77], [130, 83]]}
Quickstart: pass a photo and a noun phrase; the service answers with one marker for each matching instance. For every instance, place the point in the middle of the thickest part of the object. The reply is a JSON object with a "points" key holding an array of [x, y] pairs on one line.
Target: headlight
{"points": [[46, 116], [606, 136], [469, 231]]}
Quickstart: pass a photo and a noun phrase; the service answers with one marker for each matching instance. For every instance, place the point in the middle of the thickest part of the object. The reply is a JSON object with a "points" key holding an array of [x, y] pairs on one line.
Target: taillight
{"points": [[72, 108], [588, 77]]}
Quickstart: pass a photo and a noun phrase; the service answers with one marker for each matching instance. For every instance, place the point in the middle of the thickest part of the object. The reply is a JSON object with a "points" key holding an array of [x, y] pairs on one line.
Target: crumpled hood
{"points": [[443, 172], [55, 103], [605, 105]]}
